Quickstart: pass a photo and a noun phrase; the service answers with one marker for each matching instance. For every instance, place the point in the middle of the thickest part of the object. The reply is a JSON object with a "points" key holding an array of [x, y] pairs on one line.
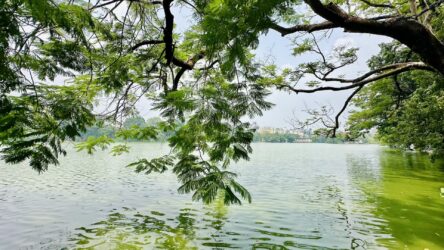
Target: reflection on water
{"points": [[190, 229], [130, 229], [305, 196], [134, 231], [405, 194]]}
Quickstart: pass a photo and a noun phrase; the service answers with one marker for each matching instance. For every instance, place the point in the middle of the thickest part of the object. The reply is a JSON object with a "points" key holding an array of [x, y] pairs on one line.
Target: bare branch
{"points": [[365, 79], [378, 5], [148, 42], [430, 8], [347, 101], [303, 28], [209, 66], [377, 71], [99, 5], [322, 115]]}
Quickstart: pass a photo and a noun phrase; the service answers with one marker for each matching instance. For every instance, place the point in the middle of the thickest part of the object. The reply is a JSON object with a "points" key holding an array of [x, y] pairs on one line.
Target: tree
{"points": [[416, 25], [134, 121], [125, 57], [203, 81], [406, 110]]}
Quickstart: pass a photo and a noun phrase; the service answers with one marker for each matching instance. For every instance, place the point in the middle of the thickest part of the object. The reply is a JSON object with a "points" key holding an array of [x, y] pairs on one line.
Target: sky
{"points": [[273, 46], [289, 104]]}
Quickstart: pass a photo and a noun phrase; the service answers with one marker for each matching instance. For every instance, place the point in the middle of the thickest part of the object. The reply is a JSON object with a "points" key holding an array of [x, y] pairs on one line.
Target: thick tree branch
{"points": [[406, 30], [189, 65], [316, 26], [168, 31], [169, 46], [168, 37]]}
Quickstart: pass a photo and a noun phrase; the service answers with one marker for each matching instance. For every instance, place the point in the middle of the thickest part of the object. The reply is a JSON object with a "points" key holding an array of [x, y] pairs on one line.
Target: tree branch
{"points": [[168, 31], [411, 65], [406, 30], [376, 5], [148, 42], [209, 66], [431, 7], [303, 27], [347, 101], [119, 1], [189, 65], [364, 79]]}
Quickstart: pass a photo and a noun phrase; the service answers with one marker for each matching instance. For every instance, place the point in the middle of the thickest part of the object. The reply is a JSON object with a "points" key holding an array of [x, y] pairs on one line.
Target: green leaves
{"points": [[204, 93], [138, 133], [204, 82], [235, 26], [92, 142], [210, 135], [406, 110], [68, 54], [175, 104], [134, 133], [41, 152], [157, 165], [34, 126], [208, 182], [120, 149], [305, 46]]}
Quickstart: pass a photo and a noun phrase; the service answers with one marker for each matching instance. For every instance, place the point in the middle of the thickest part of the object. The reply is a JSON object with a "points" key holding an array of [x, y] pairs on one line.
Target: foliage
{"points": [[137, 133], [318, 136], [120, 149], [92, 142], [275, 137], [158, 165], [34, 125], [406, 110], [97, 55], [134, 128], [66, 66]]}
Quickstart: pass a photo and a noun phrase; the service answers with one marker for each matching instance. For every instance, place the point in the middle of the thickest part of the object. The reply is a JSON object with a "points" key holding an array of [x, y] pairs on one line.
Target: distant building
{"points": [[271, 130], [266, 130], [304, 140], [298, 132]]}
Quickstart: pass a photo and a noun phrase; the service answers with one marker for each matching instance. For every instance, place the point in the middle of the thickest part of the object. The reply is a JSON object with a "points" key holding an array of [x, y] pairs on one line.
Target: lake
{"points": [[305, 196]]}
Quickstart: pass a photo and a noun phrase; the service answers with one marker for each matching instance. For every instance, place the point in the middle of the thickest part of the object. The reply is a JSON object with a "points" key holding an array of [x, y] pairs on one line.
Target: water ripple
{"points": [[306, 197]]}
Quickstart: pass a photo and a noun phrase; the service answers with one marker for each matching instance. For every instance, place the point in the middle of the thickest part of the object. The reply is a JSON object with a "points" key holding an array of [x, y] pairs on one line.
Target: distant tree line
{"points": [[308, 137], [110, 131]]}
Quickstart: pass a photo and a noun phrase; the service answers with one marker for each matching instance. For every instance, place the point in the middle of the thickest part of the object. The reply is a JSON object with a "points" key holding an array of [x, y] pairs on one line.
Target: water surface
{"points": [[305, 196]]}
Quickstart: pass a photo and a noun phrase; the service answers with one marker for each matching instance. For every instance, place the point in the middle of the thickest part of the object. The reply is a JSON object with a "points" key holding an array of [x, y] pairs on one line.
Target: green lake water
{"points": [[305, 196]]}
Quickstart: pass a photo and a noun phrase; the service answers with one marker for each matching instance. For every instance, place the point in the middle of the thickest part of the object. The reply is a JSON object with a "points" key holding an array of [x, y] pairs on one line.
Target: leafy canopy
{"points": [[61, 58]]}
